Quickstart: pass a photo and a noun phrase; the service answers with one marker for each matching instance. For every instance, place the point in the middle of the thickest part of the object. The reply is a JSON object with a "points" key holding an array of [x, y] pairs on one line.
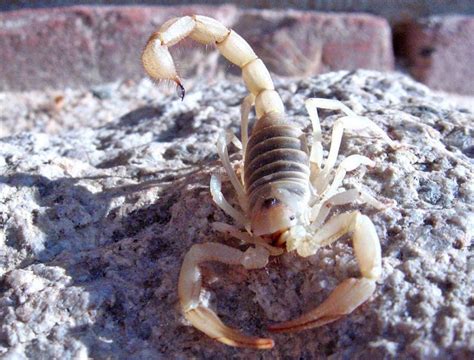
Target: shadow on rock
{"points": [[117, 249]]}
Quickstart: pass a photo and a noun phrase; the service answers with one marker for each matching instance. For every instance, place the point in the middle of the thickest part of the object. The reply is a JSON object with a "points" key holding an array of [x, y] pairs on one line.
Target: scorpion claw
{"points": [[208, 322], [190, 286], [342, 301]]}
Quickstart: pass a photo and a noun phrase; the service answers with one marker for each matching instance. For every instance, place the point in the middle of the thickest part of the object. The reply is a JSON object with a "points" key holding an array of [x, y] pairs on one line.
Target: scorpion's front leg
{"points": [[189, 290], [351, 292]]}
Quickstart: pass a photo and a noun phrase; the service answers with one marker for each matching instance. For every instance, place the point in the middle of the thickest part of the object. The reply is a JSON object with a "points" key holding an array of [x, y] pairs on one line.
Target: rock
{"points": [[54, 111], [439, 51], [47, 45], [94, 224]]}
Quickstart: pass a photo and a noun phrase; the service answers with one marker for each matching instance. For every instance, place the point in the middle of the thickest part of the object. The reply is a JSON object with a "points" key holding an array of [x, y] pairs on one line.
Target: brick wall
{"points": [[87, 45]]}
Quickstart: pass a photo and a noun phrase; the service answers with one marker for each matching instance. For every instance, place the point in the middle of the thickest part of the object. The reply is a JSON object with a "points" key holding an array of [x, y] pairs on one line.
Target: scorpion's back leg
{"points": [[189, 290], [222, 143], [219, 199], [350, 163], [351, 122], [352, 292], [223, 153], [316, 155], [244, 121], [215, 185]]}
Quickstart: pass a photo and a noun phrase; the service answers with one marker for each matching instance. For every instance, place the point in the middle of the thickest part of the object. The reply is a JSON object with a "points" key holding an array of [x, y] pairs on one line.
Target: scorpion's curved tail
{"points": [[159, 64]]}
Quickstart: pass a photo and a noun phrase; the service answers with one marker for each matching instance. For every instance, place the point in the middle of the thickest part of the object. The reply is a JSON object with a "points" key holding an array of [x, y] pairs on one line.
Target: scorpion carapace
{"points": [[285, 193]]}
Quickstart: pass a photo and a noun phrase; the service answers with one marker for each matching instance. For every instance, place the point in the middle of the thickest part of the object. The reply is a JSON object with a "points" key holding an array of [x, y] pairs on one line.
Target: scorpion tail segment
{"points": [[189, 291], [209, 323], [157, 61], [159, 64], [342, 301], [156, 58]]}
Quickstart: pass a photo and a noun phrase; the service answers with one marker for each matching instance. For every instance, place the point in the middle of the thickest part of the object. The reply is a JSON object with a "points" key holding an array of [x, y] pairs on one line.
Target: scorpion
{"points": [[285, 192]]}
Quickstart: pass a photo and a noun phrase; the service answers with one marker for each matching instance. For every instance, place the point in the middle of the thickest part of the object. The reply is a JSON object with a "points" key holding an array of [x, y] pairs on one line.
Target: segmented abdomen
{"points": [[276, 158]]}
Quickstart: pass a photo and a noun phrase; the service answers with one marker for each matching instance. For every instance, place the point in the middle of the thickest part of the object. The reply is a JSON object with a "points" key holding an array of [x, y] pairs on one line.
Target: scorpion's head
{"points": [[277, 213]]}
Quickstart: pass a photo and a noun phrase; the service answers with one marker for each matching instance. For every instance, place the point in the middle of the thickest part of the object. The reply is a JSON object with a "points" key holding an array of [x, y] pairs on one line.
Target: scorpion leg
{"points": [[351, 122], [244, 122], [350, 163], [369, 199], [220, 200], [320, 211], [316, 155], [352, 292], [312, 106], [189, 291], [246, 237], [222, 143], [231, 138]]}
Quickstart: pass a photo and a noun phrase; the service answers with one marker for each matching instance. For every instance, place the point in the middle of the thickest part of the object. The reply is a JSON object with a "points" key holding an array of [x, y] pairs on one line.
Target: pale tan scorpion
{"points": [[285, 193]]}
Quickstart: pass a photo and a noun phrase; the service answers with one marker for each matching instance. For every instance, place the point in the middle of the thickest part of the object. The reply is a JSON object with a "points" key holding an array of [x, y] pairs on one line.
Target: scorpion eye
{"points": [[292, 217], [268, 203]]}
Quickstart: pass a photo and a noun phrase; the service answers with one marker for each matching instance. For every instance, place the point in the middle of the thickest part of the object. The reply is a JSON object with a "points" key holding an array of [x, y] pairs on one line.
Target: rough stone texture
{"points": [[86, 45], [94, 223], [53, 111], [439, 51]]}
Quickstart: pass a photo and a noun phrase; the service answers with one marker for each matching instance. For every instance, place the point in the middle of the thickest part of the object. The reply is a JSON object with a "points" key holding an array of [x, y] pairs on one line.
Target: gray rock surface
{"points": [[95, 221]]}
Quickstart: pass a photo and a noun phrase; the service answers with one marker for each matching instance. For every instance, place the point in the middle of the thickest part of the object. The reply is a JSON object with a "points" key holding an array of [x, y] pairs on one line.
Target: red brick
{"points": [[47, 47], [295, 43], [440, 52]]}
